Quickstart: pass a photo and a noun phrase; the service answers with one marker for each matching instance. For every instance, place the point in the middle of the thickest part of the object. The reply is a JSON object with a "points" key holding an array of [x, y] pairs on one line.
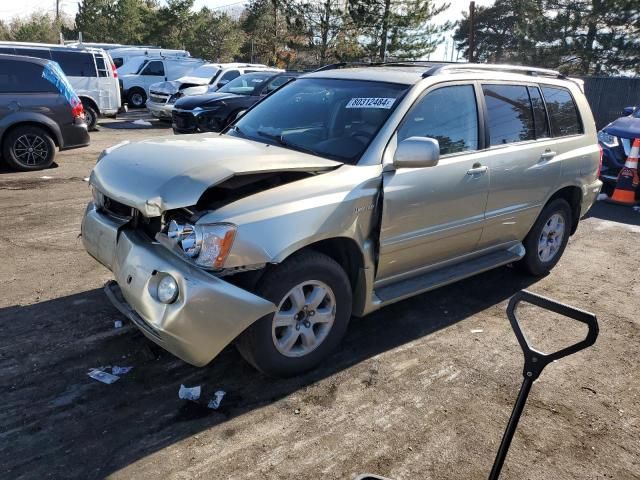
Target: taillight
{"points": [[114, 70], [600, 164], [77, 111]]}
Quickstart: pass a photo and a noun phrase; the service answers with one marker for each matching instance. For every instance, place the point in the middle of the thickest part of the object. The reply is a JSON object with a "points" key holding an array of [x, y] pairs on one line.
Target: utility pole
{"points": [[472, 13], [57, 10]]}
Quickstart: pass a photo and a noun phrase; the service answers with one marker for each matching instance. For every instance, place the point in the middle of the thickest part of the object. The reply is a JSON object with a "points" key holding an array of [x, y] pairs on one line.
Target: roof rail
{"points": [[533, 71], [394, 63]]}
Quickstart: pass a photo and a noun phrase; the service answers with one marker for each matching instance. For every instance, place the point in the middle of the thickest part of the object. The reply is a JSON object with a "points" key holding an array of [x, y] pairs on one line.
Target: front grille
{"points": [[158, 97], [184, 121]]}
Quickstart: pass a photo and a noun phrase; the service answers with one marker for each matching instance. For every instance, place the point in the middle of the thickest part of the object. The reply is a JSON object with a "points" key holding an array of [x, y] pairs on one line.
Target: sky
{"points": [[13, 8]]}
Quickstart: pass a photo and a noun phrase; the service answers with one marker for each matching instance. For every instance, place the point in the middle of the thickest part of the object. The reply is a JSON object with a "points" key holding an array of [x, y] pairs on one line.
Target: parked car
{"points": [[615, 140], [207, 78], [214, 111], [122, 55], [342, 192], [89, 70], [39, 112], [135, 86]]}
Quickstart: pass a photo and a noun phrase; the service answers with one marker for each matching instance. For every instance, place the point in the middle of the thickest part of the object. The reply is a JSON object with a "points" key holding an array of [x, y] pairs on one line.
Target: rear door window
{"points": [[23, 77], [102, 66], [563, 113], [510, 114], [75, 64], [155, 68], [448, 114]]}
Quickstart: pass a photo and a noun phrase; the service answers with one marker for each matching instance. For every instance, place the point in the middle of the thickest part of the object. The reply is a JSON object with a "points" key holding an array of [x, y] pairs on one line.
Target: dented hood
{"points": [[172, 172]]}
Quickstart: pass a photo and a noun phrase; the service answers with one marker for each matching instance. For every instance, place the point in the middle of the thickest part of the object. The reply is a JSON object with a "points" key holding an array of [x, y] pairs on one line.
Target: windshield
{"points": [[335, 119], [204, 71], [245, 84], [131, 65]]}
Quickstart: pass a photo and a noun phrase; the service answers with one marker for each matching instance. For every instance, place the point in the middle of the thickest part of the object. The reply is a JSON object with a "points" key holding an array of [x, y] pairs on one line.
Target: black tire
{"points": [[90, 116], [137, 98], [16, 144], [534, 261], [257, 343]]}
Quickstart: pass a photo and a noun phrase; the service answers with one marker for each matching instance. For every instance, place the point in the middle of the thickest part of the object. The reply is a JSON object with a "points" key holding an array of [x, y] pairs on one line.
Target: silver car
{"points": [[342, 192]]}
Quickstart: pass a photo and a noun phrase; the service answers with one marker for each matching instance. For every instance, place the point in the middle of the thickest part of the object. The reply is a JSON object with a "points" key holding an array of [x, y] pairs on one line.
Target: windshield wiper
{"points": [[280, 139]]}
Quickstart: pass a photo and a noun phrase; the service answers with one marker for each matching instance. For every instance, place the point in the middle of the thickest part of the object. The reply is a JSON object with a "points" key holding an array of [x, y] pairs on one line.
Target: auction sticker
{"points": [[370, 102]]}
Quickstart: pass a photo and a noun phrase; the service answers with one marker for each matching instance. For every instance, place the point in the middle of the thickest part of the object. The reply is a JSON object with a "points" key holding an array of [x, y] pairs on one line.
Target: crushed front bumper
{"points": [[208, 314], [160, 110]]}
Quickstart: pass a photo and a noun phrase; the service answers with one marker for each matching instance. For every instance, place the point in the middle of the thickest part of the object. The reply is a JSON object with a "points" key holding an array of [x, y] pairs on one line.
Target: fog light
{"points": [[167, 289]]}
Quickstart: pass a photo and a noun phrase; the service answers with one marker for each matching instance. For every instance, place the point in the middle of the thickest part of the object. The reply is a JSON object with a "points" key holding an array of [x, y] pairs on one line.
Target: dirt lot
{"points": [[412, 393]]}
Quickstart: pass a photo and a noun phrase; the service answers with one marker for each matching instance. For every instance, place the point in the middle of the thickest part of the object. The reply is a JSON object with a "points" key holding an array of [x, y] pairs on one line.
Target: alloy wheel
{"points": [[551, 238], [304, 318], [30, 149]]}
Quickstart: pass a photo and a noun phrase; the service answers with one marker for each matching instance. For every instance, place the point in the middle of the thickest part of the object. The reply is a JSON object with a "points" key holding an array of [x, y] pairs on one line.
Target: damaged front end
{"points": [[169, 261]]}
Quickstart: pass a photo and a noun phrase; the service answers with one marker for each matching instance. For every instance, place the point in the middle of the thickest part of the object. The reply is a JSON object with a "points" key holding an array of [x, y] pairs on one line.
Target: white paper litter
{"points": [[115, 370], [117, 324], [142, 122], [103, 377], [477, 330], [46, 177], [215, 402], [86, 179], [189, 393], [602, 196]]}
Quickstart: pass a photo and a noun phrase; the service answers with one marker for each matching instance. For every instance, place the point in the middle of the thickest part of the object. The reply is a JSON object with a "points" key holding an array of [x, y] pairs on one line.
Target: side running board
{"points": [[446, 275]]}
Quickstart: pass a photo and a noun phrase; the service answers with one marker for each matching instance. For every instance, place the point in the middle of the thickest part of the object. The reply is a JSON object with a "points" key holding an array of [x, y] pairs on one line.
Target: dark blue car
{"points": [[615, 140]]}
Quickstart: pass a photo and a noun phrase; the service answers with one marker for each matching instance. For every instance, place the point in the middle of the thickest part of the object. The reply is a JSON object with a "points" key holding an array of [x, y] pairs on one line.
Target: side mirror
{"points": [[628, 110], [417, 152]]}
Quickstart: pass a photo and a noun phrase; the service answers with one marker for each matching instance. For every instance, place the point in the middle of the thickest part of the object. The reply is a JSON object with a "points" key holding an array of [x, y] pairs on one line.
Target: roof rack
{"points": [[533, 71], [394, 63]]}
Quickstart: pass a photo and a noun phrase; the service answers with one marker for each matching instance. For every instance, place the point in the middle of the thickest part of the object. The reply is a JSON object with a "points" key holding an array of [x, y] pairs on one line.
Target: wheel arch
{"points": [[573, 195], [91, 102], [54, 132]]}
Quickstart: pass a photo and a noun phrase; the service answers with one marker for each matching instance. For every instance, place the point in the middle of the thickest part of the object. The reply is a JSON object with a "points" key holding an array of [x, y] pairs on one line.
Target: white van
{"points": [[122, 55], [207, 78], [90, 71], [135, 86]]}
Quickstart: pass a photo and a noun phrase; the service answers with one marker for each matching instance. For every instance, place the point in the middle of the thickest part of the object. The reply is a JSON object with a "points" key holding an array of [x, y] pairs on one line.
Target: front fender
{"points": [[276, 223]]}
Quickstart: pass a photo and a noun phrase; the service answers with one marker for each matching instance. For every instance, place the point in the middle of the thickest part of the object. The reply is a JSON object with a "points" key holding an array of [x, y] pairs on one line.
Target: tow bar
{"points": [[534, 363]]}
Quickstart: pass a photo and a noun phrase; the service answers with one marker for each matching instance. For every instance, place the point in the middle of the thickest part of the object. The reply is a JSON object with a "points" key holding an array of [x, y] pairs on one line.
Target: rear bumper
{"points": [[160, 110], [208, 314], [589, 196], [74, 136]]}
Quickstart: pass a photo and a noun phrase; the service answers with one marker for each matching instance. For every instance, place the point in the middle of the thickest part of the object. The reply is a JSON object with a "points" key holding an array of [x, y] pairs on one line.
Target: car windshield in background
{"points": [[335, 119], [204, 71], [245, 84]]}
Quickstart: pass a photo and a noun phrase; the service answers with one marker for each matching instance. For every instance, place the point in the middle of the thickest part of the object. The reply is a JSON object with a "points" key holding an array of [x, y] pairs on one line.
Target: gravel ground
{"points": [[422, 389]]}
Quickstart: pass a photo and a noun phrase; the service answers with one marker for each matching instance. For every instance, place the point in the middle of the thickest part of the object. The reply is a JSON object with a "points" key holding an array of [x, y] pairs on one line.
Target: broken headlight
{"points": [[208, 245], [608, 139]]}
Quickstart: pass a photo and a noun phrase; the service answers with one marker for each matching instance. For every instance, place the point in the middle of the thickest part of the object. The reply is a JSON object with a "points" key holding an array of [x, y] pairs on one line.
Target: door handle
{"points": [[477, 169], [547, 155]]}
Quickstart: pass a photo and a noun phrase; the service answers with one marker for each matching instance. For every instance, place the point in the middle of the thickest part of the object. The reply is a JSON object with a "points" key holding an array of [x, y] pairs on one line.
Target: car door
{"points": [[153, 72], [524, 160], [435, 214]]}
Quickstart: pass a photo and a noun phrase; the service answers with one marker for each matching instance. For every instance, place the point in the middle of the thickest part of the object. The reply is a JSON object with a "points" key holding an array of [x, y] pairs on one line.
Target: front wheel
{"points": [[547, 239], [137, 98], [313, 298]]}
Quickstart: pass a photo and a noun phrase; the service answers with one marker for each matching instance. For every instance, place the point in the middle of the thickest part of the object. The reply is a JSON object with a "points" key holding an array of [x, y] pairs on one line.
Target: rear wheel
{"points": [[547, 239], [137, 98], [28, 148], [313, 298], [90, 116]]}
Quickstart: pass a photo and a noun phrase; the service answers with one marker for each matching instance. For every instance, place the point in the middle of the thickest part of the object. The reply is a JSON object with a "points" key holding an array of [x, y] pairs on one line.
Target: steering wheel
{"points": [[362, 134]]}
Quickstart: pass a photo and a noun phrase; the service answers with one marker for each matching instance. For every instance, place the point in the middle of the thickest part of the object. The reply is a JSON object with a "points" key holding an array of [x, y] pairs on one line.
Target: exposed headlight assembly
{"points": [[174, 98], [607, 139], [208, 245]]}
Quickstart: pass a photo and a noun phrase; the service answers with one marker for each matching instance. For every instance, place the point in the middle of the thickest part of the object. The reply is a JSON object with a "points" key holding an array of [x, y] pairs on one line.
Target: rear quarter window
{"points": [[23, 77], [563, 112], [75, 64]]}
